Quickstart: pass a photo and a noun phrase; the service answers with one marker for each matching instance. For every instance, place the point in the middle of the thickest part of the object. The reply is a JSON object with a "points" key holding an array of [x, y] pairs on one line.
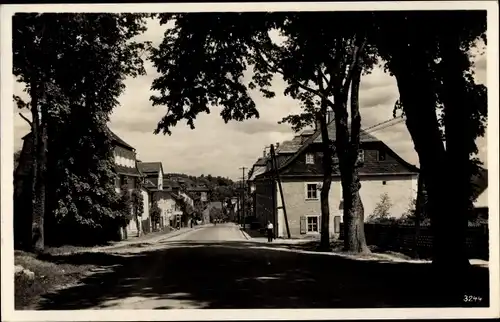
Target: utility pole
{"points": [[274, 164], [243, 195]]}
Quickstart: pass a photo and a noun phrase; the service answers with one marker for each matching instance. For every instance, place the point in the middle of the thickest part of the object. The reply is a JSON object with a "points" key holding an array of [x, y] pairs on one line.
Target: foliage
{"points": [[124, 209], [137, 202], [381, 213], [216, 214], [78, 63], [155, 213], [316, 60]]}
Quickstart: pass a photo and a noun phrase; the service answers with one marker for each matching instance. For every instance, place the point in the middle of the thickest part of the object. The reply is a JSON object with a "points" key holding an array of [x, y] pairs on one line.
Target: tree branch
{"points": [[336, 65], [301, 85], [358, 49], [26, 119]]}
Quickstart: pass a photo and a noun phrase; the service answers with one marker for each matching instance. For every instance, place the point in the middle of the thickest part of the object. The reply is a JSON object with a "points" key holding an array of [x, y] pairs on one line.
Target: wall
{"points": [[401, 190], [165, 204], [294, 194], [160, 179], [124, 157]]}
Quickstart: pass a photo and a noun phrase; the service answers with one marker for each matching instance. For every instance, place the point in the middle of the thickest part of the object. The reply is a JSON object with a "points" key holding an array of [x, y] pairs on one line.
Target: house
{"points": [[200, 191], [160, 191], [128, 175], [301, 173], [153, 172]]}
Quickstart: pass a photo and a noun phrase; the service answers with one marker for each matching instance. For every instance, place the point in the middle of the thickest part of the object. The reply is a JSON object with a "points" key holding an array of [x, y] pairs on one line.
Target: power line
{"points": [[386, 125], [398, 119]]}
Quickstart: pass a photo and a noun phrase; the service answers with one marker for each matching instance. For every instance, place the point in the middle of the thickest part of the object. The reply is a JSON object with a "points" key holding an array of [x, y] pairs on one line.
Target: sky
{"points": [[217, 148]]}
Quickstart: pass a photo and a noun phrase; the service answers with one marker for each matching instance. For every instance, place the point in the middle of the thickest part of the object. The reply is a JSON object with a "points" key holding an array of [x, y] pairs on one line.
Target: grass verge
{"points": [[49, 276]]}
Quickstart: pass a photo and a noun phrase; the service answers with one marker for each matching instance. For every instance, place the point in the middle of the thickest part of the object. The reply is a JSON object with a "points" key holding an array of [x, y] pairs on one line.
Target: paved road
{"points": [[219, 232], [215, 267]]}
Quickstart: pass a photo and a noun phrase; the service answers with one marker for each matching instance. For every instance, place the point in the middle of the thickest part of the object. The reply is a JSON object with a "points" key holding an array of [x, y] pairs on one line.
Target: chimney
{"points": [[264, 153]]}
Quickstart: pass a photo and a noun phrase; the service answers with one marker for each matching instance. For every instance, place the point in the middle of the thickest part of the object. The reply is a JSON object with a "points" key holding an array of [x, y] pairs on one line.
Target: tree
{"points": [[73, 65], [381, 213], [124, 209], [138, 209], [319, 59], [427, 52], [155, 212]]}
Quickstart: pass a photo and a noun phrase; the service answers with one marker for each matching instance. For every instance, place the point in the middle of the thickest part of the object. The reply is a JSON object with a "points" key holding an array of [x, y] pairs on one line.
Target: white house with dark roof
{"points": [[301, 172], [128, 174]]}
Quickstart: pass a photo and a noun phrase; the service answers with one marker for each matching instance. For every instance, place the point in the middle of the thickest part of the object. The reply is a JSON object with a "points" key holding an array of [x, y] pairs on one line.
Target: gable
{"points": [[150, 167]]}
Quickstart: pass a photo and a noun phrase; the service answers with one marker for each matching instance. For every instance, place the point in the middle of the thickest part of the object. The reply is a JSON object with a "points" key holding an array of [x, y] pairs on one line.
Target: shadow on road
{"points": [[246, 275]]}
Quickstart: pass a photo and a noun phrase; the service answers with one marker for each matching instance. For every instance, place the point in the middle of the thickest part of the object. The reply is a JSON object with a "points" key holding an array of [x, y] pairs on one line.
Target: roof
{"points": [[482, 199], [170, 183], [332, 134], [480, 182], [114, 138], [29, 134], [261, 161], [292, 146], [149, 184], [257, 171], [150, 167], [134, 172], [117, 140]]}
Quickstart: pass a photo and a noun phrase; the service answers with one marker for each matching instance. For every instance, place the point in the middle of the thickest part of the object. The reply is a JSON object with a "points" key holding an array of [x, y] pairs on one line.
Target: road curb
{"points": [[247, 236], [183, 232]]}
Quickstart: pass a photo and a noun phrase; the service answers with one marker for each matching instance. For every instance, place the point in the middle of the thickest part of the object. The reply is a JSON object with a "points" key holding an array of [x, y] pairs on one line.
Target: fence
{"points": [[401, 238]]}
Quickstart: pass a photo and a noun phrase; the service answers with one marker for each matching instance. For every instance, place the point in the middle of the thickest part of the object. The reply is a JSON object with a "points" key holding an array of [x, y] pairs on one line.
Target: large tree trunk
{"points": [[39, 168], [354, 231], [419, 104], [356, 242], [347, 151], [459, 143], [327, 179], [418, 214]]}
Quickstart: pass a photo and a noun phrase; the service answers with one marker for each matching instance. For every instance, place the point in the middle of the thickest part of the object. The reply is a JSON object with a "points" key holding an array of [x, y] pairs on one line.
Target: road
{"points": [[216, 267]]}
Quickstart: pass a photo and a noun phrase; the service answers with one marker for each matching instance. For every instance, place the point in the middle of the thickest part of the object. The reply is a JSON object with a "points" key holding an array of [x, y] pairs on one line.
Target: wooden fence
{"points": [[401, 238]]}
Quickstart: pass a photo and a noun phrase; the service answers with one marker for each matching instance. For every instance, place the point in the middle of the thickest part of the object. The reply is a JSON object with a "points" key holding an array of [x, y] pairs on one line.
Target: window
{"points": [[312, 191], [309, 158], [381, 155], [312, 224], [361, 156]]}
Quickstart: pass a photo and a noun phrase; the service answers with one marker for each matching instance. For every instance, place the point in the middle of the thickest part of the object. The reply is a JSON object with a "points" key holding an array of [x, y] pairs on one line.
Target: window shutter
{"points": [[337, 224], [303, 225], [319, 224]]}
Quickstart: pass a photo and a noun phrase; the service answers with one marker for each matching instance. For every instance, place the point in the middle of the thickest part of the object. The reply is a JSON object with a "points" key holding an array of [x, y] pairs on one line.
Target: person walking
{"points": [[269, 231]]}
